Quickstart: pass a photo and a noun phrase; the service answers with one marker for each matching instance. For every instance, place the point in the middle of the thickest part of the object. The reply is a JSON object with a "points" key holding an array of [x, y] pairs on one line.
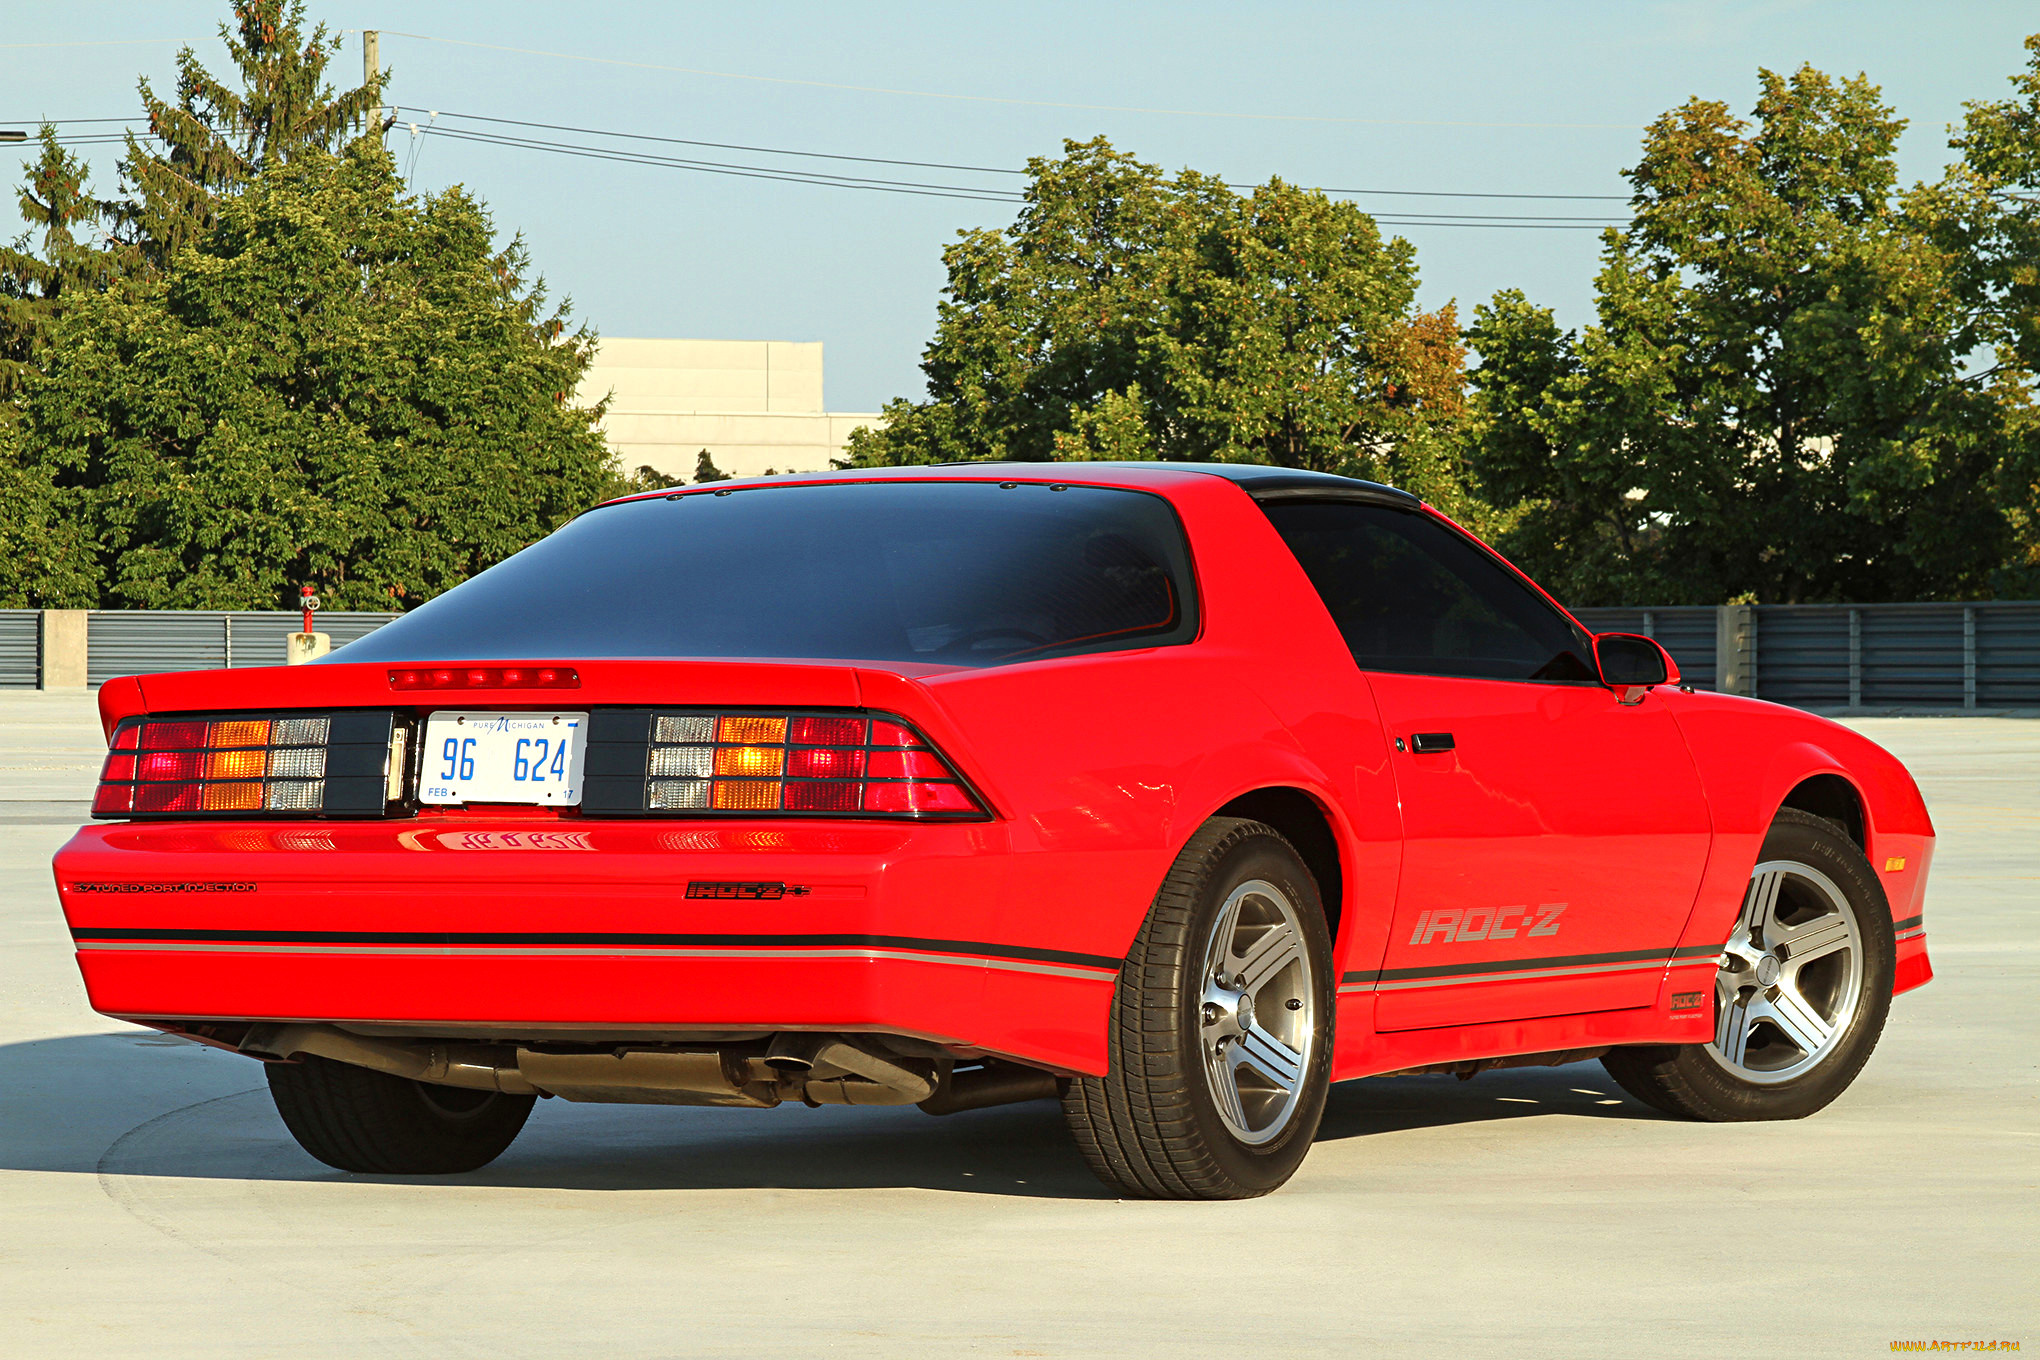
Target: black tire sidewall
{"points": [[1261, 1167]]}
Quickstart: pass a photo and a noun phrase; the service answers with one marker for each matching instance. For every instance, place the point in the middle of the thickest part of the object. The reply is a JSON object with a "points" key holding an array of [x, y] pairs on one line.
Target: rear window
{"points": [[958, 573]]}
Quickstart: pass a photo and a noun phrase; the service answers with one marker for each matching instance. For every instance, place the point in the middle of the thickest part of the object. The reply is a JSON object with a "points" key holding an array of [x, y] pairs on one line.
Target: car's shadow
{"points": [[137, 1104]]}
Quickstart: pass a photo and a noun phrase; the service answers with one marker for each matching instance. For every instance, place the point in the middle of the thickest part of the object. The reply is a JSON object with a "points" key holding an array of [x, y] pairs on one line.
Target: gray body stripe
{"points": [[1511, 975], [556, 951]]}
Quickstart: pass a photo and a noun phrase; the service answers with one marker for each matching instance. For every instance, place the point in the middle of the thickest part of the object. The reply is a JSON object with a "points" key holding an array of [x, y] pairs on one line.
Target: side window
{"points": [[1411, 595]]}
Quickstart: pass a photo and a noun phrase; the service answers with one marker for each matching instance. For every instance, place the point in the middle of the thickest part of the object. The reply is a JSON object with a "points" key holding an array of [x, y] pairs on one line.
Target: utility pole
{"points": [[371, 60]]}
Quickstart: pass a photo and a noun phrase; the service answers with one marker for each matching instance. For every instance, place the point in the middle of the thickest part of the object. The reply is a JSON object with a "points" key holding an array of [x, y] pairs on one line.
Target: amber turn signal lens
{"points": [[232, 797], [749, 762], [237, 764], [747, 795], [745, 727], [249, 733]]}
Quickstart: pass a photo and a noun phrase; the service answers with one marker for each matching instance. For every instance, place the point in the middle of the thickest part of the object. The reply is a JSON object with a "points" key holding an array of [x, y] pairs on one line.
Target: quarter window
{"points": [[1411, 595]]}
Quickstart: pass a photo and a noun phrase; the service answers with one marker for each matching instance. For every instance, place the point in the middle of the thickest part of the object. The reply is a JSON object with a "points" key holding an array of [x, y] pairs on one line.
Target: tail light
{"points": [[241, 765], [696, 762]]}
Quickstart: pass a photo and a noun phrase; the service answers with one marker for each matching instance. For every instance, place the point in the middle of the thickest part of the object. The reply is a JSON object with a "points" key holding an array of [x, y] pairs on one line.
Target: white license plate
{"points": [[503, 758]]}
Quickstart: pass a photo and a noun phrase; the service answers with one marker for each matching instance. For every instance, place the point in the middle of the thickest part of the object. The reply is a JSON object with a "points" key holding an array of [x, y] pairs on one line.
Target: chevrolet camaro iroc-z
{"points": [[1173, 792]]}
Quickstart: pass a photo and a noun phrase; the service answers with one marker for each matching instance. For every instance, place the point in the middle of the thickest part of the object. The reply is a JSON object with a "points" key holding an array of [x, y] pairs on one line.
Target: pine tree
{"points": [[215, 139], [37, 284]]}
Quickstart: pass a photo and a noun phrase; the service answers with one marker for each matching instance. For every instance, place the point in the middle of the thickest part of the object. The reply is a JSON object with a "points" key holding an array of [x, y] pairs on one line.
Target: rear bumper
{"points": [[492, 926]]}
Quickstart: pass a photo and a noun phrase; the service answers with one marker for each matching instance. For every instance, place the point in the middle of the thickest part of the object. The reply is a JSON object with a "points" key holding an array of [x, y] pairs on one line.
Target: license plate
{"points": [[503, 758]]}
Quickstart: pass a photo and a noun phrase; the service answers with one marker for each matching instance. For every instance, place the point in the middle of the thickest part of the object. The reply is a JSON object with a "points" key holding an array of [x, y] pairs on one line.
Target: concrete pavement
{"points": [[152, 1204]]}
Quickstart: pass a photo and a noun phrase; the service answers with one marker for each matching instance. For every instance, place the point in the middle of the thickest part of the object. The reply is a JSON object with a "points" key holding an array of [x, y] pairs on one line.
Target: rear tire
{"points": [[356, 1119], [1221, 1037], [1801, 995]]}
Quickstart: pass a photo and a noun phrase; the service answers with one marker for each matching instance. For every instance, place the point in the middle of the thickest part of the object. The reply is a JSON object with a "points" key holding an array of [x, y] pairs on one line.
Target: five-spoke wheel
{"points": [[1258, 1021], [1790, 975]]}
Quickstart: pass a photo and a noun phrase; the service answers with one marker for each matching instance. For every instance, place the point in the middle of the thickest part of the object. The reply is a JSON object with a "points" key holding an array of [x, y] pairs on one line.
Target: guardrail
{"points": [[1941, 657], [1828, 656], [74, 648]]}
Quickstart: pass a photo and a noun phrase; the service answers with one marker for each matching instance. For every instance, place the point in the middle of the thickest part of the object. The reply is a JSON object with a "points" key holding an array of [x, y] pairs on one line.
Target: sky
{"points": [[1531, 97]]}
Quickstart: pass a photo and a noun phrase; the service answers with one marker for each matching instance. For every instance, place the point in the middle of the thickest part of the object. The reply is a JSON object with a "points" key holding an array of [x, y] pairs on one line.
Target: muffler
{"points": [[822, 1069]]}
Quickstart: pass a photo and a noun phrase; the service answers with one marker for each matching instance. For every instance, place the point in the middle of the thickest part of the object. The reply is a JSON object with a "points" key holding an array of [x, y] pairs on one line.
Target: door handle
{"points": [[1426, 743]]}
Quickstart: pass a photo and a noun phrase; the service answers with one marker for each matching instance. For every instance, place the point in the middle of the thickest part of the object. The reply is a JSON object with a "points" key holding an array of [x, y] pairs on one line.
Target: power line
{"points": [[983, 195], [948, 165], [882, 160], [109, 42], [978, 193], [995, 99], [922, 188]]}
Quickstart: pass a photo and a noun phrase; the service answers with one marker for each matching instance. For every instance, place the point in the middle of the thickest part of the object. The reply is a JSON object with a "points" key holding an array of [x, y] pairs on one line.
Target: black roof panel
{"points": [[1257, 479]]}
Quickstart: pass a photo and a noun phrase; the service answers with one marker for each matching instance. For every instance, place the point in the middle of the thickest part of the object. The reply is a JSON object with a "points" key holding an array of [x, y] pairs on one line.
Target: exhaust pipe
{"points": [[996, 1083], [822, 1069], [476, 1067]]}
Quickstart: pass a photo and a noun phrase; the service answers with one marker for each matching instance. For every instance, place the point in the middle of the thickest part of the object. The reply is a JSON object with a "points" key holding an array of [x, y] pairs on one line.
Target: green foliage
{"points": [[1126, 314], [645, 477], [333, 384], [1773, 401], [215, 139], [1995, 195], [705, 469], [39, 279]]}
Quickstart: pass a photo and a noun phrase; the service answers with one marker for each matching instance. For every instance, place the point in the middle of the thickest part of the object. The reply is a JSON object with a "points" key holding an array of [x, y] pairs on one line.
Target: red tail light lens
{"points": [[710, 762], [288, 764]]}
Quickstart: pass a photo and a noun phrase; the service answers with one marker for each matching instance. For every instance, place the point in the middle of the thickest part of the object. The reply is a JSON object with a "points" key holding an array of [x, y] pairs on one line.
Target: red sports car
{"points": [[1177, 792]]}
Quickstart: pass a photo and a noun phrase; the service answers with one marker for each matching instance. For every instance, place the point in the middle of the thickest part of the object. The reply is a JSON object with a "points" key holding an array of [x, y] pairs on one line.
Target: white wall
{"points": [[753, 404]]}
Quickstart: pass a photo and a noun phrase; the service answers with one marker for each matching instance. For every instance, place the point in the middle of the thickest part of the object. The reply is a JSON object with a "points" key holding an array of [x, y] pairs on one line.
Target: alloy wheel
{"points": [[1257, 1021], [1790, 976]]}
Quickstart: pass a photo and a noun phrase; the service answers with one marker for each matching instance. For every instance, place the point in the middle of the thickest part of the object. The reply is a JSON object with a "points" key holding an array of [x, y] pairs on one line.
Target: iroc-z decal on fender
{"points": [[1464, 925]]}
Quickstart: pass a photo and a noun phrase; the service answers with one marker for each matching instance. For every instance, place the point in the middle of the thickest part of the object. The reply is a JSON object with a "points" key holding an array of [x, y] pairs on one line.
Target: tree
{"points": [[1994, 196], [705, 469], [333, 384], [37, 285], [1772, 402], [217, 139], [1126, 314]]}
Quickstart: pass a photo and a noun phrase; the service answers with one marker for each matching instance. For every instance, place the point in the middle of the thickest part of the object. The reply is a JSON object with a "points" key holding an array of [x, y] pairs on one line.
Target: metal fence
{"points": [[20, 648], [1838, 656], [134, 641], [1830, 656]]}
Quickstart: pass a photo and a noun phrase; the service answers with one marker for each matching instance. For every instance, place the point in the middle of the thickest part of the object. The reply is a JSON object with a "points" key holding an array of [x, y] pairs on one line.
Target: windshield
{"points": [[956, 573]]}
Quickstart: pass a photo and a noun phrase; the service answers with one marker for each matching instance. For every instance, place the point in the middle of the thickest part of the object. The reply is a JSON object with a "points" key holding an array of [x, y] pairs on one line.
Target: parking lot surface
{"points": [[152, 1204]]}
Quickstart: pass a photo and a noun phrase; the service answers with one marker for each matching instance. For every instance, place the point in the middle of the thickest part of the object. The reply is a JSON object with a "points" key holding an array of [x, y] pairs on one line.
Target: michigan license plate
{"points": [[503, 758]]}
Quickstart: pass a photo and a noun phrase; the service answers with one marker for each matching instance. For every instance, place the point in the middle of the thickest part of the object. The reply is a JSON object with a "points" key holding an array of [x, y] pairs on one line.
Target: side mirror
{"points": [[1631, 663]]}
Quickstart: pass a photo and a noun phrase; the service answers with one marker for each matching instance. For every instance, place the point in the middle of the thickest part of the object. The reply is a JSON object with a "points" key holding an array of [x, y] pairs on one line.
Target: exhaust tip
{"points": [[794, 1053]]}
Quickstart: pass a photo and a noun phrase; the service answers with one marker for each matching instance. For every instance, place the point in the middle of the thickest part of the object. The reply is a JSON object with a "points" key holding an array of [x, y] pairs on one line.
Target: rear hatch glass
{"points": [[953, 573]]}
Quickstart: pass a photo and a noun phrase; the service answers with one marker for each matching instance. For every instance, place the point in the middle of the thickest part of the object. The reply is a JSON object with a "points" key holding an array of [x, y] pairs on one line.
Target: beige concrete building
{"points": [[753, 404]]}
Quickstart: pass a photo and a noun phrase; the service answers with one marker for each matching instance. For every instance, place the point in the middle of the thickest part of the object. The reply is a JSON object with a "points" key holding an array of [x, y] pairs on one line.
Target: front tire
{"points": [[356, 1119], [1221, 1039], [1801, 995]]}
